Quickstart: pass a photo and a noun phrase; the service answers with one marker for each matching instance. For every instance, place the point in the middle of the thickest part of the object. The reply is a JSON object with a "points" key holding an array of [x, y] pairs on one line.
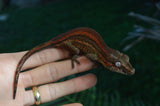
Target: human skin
{"points": [[47, 72]]}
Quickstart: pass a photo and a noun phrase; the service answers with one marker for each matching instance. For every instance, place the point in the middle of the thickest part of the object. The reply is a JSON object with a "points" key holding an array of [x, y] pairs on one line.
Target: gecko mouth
{"points": [[129, 71]]}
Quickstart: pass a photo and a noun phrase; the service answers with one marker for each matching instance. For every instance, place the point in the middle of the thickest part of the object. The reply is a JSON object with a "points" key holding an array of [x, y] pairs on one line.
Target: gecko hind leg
{"points": [[74, 59]]}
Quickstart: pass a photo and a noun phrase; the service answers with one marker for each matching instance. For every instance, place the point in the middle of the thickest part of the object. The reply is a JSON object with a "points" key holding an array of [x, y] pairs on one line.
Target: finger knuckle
{"points": [[53, 72]]}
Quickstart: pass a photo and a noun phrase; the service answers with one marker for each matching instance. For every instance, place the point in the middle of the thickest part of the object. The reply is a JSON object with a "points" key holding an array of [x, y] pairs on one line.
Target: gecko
{"points": [[82, 41]]}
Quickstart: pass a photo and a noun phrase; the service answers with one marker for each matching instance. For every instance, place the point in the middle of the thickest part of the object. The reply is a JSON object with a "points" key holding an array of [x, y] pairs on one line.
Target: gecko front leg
{"points": [[74, 52]]}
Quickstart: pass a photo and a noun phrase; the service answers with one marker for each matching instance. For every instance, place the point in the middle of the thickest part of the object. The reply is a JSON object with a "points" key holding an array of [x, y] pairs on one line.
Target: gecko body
{"points": [[82, 41]]}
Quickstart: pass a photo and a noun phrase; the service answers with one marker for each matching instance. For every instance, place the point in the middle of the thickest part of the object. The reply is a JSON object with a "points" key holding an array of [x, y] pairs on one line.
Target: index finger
{"points": [[41, 57]]}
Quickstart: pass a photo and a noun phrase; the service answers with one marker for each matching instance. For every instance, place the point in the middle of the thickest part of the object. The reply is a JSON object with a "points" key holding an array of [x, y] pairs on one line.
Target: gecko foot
{"points": [[74, 59]]}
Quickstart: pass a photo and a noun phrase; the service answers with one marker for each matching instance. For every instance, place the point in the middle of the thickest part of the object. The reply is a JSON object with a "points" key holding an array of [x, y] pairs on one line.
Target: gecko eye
{"points": [[118, 64]]}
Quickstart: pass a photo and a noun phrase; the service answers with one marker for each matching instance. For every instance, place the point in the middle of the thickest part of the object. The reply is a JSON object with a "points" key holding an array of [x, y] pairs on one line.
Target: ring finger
{"points": [[51, 92]]}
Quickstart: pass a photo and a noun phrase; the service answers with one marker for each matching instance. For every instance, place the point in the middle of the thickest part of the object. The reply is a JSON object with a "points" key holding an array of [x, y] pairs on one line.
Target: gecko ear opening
{"points": [[125, 57]]}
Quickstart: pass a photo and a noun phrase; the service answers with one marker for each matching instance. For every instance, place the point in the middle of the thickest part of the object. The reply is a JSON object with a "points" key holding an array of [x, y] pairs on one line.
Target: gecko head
{"points": [[119, 62]]}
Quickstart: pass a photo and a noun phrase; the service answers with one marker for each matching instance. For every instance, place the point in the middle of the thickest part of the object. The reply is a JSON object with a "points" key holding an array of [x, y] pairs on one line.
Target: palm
{"points": [[7, 71], [8, 63]]}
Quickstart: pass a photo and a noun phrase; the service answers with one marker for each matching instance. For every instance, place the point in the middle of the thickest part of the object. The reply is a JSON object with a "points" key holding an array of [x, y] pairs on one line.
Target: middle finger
{"points": [[54, 71]]}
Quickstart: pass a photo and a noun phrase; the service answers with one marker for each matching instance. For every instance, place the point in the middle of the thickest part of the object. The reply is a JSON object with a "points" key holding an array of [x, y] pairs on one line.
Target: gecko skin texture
{"points": [[82, 41]]}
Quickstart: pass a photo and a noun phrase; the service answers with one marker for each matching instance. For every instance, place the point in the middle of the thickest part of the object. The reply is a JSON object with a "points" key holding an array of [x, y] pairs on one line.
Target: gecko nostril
{"points": [[133, 71]]}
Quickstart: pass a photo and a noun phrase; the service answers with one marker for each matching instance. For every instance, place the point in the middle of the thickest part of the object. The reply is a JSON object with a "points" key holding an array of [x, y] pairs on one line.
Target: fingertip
{"points": [[91, 79], [73, 104], [85, 64], [85, 82]]}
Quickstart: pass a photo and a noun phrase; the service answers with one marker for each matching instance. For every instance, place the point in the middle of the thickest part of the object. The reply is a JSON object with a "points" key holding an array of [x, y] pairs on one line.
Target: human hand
{"points": [[47, 70]]}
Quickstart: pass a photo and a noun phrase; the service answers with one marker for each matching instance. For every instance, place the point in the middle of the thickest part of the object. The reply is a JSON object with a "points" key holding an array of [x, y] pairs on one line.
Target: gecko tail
{"points": [[14, 93], [22, 61]]}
